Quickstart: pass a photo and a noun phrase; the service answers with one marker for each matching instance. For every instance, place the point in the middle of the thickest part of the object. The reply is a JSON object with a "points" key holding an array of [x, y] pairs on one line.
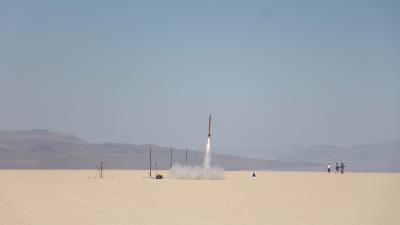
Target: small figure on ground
{"points": [[337, 168], [253, 175], [329, 168], [342, 166]]}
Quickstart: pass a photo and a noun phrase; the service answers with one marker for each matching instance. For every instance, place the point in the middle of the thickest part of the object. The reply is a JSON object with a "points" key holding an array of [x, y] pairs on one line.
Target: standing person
{"points": [[253, 175], [337, 168], [329, 168], [342, 168]]}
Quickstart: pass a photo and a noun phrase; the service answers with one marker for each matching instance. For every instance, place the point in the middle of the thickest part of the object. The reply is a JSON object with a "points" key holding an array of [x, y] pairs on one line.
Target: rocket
{"points": [[209, 126]]}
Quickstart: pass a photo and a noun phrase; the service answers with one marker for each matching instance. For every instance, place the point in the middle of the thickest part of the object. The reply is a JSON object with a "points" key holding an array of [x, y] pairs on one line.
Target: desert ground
{"points": [[61, 197]]}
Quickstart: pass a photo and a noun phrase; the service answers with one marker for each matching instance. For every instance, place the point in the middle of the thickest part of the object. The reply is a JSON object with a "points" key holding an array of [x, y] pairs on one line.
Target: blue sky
{"points": [[272, 73]]}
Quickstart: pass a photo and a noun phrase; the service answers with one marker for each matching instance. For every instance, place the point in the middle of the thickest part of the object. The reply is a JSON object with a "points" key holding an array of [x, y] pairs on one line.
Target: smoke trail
{"points": [[207, 161], [196, 173], [207, 172]]}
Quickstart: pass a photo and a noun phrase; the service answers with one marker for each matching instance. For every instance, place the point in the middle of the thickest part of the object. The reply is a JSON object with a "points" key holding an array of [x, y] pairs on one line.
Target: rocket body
{"points": [[209, 126]]}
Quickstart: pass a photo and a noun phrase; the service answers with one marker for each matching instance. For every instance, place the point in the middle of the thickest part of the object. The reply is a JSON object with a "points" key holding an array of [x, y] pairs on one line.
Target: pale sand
{"points": [[284, 198]]}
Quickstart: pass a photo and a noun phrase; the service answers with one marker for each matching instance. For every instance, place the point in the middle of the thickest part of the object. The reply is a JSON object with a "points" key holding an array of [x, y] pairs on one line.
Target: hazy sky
{"points": [[271, 73]]}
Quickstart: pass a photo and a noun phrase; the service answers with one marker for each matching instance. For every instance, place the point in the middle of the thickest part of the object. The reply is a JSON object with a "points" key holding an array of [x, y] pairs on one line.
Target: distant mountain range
{"points": [[373, 157], [43, 149], [378, 157]]}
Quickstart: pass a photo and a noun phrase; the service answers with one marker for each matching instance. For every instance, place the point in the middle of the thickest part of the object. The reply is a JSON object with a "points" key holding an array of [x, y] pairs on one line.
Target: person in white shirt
{"points": [[329, 168], [253, 175]]}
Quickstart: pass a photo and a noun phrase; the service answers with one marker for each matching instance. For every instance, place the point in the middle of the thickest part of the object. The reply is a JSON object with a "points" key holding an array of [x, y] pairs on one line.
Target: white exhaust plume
{"points": [[207, 155], [196, 173], [207, 172]]}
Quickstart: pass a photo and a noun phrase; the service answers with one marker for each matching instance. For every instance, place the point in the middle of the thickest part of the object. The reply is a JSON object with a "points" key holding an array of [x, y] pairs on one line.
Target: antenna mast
{"points": [[100, 169], [150, 162], [170, 165], [186, 155]]}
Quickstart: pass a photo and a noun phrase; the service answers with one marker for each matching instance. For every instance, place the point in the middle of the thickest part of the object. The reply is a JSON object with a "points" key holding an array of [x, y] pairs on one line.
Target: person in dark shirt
{"points": [[342, 168], [337, 168]]}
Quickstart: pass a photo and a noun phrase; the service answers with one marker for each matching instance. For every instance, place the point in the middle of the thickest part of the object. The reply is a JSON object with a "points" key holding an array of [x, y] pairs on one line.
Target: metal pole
{"points": [[186, 155], [170, 165], [101, 168], [150, 162]]}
